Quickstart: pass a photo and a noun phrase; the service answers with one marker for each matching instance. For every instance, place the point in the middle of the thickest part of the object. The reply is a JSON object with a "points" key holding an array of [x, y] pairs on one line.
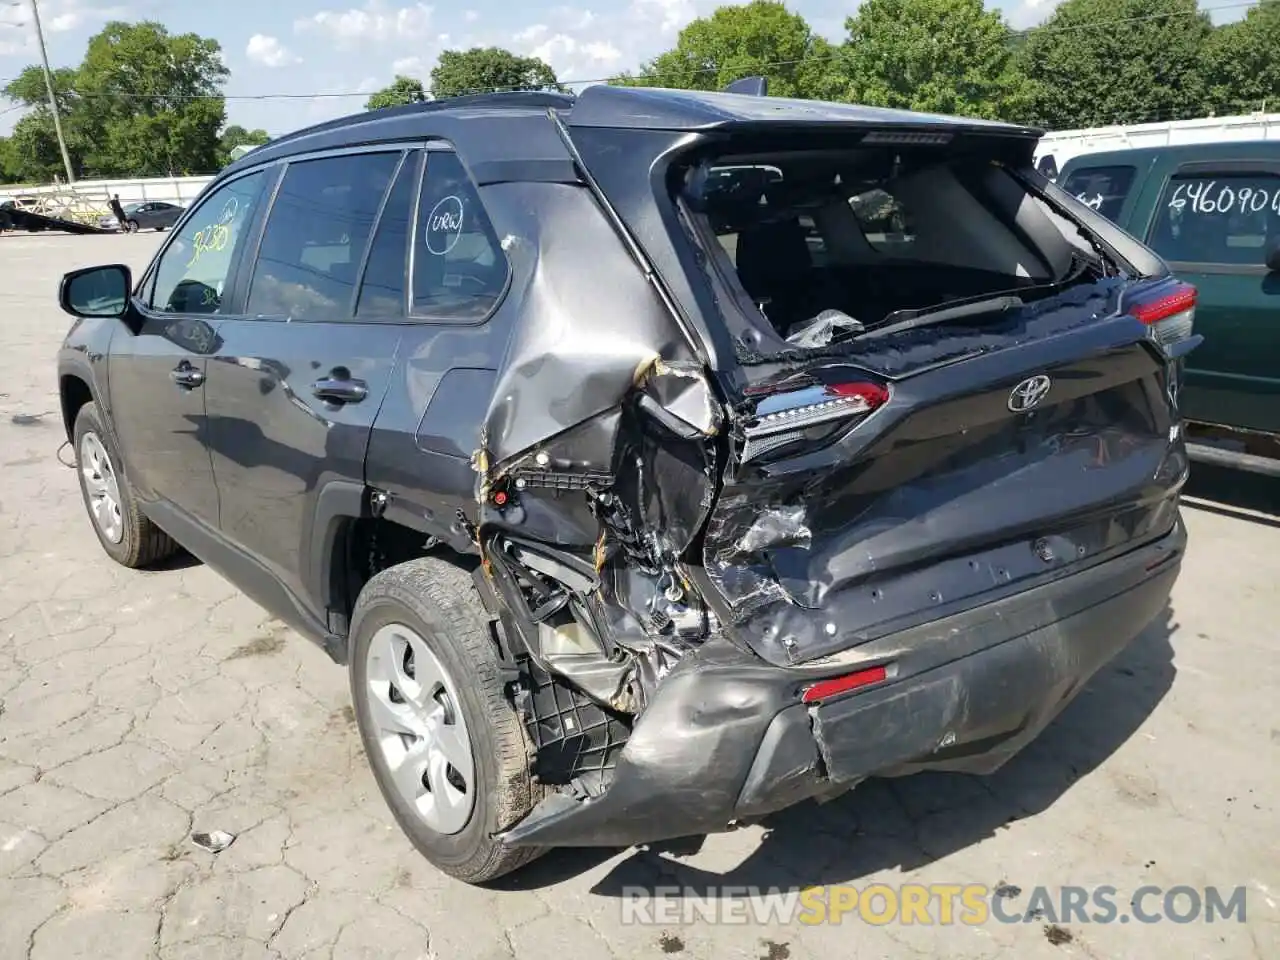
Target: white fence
{"points": [[96, 193]]}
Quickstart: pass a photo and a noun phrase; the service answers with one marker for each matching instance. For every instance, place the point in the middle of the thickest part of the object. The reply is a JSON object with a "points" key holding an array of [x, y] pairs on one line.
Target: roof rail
{"points": [[749, 86], [514, 98]]}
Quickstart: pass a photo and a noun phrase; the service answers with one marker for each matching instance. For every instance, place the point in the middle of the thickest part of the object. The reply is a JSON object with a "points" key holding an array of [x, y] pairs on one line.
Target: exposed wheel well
{"points": [[75, 393], [367, 545]]}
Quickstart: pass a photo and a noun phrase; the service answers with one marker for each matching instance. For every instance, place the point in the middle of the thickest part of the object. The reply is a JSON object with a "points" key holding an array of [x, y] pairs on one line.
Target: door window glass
{"points": [[316, 235], [459, 270], [193, 269], [383, 288], [1230, 219], [1102, 188]]}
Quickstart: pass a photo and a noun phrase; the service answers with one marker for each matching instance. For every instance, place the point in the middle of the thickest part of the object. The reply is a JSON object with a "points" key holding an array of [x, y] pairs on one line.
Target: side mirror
{"points": [[96, 291], [1273, 256]]}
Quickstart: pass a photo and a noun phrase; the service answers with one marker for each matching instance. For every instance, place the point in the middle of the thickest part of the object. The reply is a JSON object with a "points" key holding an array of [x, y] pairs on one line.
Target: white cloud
{"points": [[602, 51], [572, 18], [60, 16], [532, 34], [269, 51], [670, 15], [376, 21], [471, 16], [409, 66]]}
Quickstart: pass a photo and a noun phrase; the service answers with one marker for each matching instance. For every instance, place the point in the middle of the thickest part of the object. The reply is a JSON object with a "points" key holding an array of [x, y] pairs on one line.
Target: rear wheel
{"points": [[445, 743], [127, 536]]}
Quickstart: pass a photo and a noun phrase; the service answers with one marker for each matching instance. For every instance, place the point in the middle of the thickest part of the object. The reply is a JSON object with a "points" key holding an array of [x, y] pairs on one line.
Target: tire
{"points": [[438, 602], [132, 226], [140, 542]]}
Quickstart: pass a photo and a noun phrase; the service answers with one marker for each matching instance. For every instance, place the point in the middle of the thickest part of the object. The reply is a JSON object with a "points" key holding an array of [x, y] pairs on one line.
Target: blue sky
{"points": [[352, 47]]}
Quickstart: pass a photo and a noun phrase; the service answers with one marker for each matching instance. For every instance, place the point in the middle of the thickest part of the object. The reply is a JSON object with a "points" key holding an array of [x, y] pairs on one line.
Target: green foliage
{"points": [[1240, 63], [237, 136], [940, 56], [488, 69], [400, 91], [761, 38], [144, 102], [1147, 68]]}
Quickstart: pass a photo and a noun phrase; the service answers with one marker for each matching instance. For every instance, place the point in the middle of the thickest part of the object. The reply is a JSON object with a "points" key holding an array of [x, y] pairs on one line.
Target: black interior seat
{"points": [[774, 265]]}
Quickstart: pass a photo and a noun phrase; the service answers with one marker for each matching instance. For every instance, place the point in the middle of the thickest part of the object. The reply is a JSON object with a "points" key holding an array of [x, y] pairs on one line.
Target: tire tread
{"points": [[444, 586]]}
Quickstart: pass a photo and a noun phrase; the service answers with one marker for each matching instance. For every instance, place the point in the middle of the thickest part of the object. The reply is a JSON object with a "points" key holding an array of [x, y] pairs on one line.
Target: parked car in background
{"points": [[1212, 211], [150, 215], [655, 460]]}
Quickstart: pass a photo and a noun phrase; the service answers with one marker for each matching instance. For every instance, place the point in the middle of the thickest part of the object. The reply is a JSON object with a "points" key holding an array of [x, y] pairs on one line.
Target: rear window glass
{"points": [[1228, 220], [1102, 188], [861, 236]]}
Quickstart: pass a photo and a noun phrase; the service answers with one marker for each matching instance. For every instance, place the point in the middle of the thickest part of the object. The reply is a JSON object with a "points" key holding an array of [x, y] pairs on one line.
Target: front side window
{"points": [[316, 234], [1231, 219], [1101, 188], [459, 270], [192, 272]]}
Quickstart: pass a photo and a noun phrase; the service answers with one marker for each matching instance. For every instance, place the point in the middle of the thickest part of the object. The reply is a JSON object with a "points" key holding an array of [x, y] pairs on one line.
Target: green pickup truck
{"points": [[1212, 211]]}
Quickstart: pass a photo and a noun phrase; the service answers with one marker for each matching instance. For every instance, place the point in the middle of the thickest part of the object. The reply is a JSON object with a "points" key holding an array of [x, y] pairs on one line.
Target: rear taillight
{"points": [[838, 685], [791, 417], [1170, 312]]}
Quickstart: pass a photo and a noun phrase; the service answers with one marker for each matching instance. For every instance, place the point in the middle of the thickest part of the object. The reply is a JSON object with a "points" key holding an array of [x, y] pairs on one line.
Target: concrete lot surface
{"points": [[136, 708]]}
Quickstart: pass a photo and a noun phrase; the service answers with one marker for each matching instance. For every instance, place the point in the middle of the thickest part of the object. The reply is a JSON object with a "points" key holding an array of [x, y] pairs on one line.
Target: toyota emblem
{"points": [[1029, 393]]}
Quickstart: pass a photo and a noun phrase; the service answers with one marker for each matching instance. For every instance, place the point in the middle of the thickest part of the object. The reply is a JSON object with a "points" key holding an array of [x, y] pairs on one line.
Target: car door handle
{"points": [[186, 376], [340, 390]]}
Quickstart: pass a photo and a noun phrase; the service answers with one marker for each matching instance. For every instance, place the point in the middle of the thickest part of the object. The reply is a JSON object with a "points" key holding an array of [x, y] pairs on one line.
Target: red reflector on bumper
{"points": [[850, 681]]}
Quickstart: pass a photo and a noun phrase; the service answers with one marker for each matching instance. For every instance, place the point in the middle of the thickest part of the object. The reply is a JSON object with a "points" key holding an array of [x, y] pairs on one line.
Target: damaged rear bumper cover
{"points": [[727, 737]]}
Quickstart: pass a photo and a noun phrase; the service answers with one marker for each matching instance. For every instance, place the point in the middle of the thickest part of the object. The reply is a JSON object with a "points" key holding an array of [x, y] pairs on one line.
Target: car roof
{"points": [[1225, 149], [512, 126]]}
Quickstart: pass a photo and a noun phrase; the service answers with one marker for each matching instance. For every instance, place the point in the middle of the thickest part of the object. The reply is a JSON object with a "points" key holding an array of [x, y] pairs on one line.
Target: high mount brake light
{"points": [[783, 417], [1169, 312]]}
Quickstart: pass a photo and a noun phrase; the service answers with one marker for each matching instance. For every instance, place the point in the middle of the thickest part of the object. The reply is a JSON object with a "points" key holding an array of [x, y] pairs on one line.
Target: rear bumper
{"points": [[727, 738]]}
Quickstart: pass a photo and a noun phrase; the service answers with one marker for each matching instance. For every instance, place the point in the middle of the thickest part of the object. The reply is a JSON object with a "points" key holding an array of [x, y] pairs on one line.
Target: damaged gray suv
{"points": [[654, 460]]}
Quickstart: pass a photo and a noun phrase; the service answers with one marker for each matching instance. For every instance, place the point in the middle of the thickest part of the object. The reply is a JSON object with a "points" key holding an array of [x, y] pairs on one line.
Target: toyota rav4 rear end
{"points": [[917, 484]]}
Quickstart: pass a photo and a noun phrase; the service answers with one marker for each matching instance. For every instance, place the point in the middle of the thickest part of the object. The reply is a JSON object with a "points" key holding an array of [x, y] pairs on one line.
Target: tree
{"points": [[761, 38], [143, 102], [33, 154], [1099, 62], [940, 56], [402, 90], [488, 69], [237, 136], [1241, 62]]}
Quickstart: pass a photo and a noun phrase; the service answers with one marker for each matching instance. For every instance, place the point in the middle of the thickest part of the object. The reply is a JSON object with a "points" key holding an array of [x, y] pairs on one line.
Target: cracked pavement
{"points": [[139, 707]]}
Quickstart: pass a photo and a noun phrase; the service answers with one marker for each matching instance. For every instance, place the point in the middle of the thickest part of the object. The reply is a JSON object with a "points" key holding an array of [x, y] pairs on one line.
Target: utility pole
{"points": [[53, 100]]}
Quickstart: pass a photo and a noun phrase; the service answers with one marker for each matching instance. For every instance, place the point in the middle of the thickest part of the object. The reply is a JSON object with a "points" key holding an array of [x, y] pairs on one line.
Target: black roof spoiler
{"points": [[749, 86]]}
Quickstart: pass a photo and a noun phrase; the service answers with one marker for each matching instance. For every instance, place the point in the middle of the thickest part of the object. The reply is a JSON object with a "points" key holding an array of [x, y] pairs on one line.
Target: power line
{"points": [[767, 65]]}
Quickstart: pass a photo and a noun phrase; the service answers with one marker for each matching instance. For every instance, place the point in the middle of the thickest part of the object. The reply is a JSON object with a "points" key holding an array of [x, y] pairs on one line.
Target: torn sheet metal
{"points": [[590, 321]]}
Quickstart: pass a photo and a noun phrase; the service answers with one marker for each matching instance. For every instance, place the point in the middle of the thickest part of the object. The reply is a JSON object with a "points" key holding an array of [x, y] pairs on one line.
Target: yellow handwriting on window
{"points": [[215, 238]]}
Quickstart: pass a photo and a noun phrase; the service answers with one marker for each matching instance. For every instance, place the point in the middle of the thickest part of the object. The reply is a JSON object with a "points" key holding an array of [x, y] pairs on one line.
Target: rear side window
{"points": [[1102, 188], [316, 234], [885, 222], [1230, 219], [459, 270]]}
